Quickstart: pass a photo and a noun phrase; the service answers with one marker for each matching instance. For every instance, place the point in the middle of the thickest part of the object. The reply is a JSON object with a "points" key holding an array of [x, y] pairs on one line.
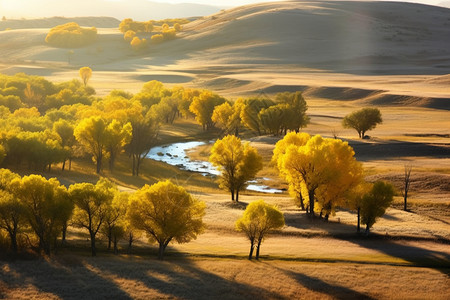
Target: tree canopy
{"points": [[363, 120], [258, 220], [166, 212], [237, 162]]}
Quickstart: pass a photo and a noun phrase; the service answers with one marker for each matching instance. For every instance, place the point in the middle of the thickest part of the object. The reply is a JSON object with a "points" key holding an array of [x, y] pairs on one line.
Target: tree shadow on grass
{"points": [[417, 256], [318, 285], [65, 277], [179, 277]]}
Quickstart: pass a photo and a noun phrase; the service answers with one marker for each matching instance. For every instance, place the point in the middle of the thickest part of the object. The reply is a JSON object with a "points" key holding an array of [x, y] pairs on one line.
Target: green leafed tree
{"points": [[375, 203], [258, 220], [237, 162], [166, 212], [363, 120]]}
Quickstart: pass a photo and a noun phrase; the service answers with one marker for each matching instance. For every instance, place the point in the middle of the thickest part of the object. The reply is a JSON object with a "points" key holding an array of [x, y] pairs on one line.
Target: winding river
{"points": [[177, 155]]}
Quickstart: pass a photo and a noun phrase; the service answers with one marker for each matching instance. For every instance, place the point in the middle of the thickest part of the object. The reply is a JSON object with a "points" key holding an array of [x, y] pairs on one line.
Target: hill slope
{"points": [[387, 50]]}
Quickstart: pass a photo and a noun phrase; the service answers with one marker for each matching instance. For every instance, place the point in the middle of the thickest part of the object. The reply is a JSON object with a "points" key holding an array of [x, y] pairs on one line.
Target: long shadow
{"points": [[417, 256], [318, 285], [394, 246], [367, 151], [67, 279], [179, 277]]}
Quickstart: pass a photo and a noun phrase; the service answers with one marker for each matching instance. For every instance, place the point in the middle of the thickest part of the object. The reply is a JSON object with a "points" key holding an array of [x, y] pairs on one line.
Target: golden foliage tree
{"points": [[85, 74], [166, 212], [321, 169], [46, 207], [203, 107], [71, 35], [92, 206], [237, 162], [258, 220], [91, 134]]}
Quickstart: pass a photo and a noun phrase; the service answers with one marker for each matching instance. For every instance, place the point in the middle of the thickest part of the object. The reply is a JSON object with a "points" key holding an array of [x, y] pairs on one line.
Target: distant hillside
{"points": [[352, 37], [103, 22]]}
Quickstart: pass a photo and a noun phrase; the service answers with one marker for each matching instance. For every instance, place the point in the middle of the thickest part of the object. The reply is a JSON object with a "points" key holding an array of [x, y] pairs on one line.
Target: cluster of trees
{"points": [[323, 174], [163, 30], [42, 123], [36, 212], [71, 35]]}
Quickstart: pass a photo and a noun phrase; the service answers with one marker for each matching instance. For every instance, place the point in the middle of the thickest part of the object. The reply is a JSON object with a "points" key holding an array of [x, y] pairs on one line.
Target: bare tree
{"points": [[407, 182]]}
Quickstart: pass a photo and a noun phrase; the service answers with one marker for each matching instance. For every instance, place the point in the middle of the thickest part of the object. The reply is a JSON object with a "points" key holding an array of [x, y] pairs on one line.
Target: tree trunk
{"points": [[13, 236], [70, 164], [109, 238], [302, 205], [130, 242], [133, 168], [116, 250], [63, 165], [367, 229], [237, 195], [405, 197], [358, 227], [93, 249], [99, 164], [232, 195], [258, 247], [311, 202], [252, 246], [64, 231], [162, 248]]}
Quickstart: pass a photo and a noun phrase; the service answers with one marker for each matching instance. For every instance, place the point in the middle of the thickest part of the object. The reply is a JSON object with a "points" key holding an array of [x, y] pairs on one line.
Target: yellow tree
{"points": [[46, 207], [115, 217], [117, 136], [318, 165], [91, 134], [296, 184], [203, 107], [12, 215], [166, 212], [237, 162], [227, 117], [258, 220], [85, 74], [92, 206]]}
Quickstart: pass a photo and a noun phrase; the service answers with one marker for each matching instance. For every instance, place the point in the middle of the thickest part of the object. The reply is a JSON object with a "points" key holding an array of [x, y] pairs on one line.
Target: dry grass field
{"points": [[379, 61]]}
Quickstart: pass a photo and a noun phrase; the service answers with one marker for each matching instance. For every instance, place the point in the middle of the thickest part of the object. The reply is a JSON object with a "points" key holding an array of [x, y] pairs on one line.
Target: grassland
{"points": [[408, 254]]}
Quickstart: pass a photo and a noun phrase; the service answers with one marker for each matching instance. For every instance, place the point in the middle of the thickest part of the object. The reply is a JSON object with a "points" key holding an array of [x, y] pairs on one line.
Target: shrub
{"points": [[71, 35]]}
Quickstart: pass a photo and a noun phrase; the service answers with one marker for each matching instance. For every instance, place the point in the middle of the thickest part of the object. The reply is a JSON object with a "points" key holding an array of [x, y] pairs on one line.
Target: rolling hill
{"points": [[391, 51]]}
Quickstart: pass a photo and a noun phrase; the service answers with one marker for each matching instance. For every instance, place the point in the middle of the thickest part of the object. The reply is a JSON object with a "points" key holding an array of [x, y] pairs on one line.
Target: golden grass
{"points": [[70, 277]]}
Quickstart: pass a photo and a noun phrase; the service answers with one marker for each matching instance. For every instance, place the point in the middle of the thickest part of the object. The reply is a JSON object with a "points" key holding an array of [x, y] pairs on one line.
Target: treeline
{"points": [[71, 35], [43, 123], [35, 212], [159, 31]]}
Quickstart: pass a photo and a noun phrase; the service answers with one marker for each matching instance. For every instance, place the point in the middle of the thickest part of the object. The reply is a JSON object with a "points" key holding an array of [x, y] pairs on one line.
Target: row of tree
{"points": [[39, 210]]}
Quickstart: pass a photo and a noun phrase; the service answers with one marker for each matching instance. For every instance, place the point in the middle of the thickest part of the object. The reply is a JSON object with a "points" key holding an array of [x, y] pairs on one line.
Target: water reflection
{"points": [[176, 155]]}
